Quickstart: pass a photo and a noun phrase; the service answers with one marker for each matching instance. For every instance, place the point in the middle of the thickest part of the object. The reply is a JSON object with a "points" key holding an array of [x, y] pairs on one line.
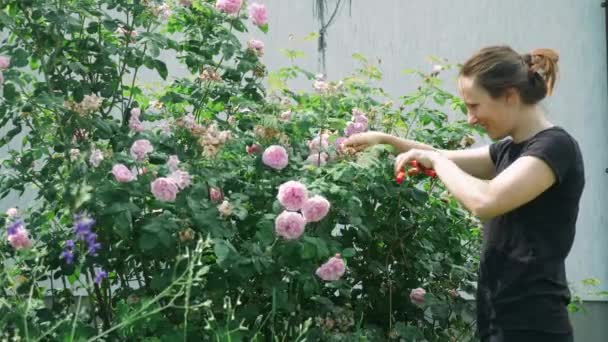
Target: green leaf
{"points": [[19, 58], [148, 242], [349, 252], [319, 244], [265, 234], [104, 127], [408, 332], [223, 250], [311, 36], [123, 224], [161, 67], [263, 28], [292, 54], [10, 92]]}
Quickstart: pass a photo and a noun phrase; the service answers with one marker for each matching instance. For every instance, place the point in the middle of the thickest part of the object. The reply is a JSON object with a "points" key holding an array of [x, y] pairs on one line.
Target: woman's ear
{"points": [[511, 97]]}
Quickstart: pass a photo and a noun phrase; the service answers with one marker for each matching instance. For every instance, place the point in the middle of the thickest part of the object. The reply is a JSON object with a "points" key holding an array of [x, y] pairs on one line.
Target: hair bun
{"points": [[543, 62]]}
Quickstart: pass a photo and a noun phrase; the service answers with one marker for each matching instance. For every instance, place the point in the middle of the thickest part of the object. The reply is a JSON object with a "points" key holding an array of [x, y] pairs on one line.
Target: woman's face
{"points": [[494, 115]]}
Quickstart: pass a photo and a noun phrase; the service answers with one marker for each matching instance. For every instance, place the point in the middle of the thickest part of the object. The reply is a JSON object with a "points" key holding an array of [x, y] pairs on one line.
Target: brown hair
{"points": [[497, 68]]}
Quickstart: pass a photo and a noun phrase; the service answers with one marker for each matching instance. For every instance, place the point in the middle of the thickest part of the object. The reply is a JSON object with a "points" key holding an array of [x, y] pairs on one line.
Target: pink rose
{"points": [[289, 225], [315, 208], [253, 148], [320, 86], [164, 189], [317, 159], [173, 163], [360, 119], [122, 174], [164, 11], [225, 209], [257, 46], [96, 157], [135, 125], [292, 195], [12, 212], [258, 14], [136, 112], [229, 6], [332, 270], [181, 178], [20, 239], [216, 195], [74, 154], [285, 116], [354, 128], [5, 62], [318, 143], [140, 149], [417, 296], [275, 156]]}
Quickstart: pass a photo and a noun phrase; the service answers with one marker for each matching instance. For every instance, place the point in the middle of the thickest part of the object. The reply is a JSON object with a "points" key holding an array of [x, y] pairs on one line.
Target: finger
{"points": [[400, 162], [413, 171], [359, 147]]}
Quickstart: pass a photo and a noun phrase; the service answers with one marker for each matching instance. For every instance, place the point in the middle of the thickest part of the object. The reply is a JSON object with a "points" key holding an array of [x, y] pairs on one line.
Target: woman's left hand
{"points": [[426, 158]]}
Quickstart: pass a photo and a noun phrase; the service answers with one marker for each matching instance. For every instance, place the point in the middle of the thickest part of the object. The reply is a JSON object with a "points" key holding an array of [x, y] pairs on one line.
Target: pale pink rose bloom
{"points": [[258, 14], [276, 157], [285, 116], [225, 209], [5, 62], [318, 159], [20, 239], [315, 208], [253, 148], [320, 86], [164, 189], [135, 125], [96, 157], [216, 195], [122, 174], [229, 6], [289, 225], [332, 270], [181, 178], [164, 11], [136, 112], [417, 296], [292, 195], [12, 212], [74, 154], [257, 46], [173, 163], [318, 143], [140, 149]]}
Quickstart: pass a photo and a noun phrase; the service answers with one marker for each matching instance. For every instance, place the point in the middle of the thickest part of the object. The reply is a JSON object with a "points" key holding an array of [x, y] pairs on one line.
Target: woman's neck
{"points": [[532, 120]]}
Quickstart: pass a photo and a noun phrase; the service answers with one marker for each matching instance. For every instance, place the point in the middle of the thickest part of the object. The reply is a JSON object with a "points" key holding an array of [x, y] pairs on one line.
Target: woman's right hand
{"points": [[361, 141]]}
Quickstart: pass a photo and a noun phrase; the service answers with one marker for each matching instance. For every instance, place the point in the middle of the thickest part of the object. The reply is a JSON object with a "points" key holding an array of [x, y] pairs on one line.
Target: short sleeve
{"points": [[555, 148], [497, 148]]}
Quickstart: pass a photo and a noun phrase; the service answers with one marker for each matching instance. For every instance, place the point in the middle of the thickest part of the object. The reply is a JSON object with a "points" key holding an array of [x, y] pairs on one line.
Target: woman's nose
{"points": [[471, 119]]}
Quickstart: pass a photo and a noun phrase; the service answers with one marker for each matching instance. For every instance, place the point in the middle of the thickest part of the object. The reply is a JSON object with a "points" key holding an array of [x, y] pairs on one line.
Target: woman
{"points": [[525, 188]]}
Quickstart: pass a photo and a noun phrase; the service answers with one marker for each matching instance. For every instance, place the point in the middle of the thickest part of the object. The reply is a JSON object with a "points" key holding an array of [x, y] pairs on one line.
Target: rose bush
{"points": [[212, 207]]}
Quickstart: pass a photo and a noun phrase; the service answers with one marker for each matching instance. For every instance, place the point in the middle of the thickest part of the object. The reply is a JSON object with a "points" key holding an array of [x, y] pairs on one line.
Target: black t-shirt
{"points": [[522, 282]]}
